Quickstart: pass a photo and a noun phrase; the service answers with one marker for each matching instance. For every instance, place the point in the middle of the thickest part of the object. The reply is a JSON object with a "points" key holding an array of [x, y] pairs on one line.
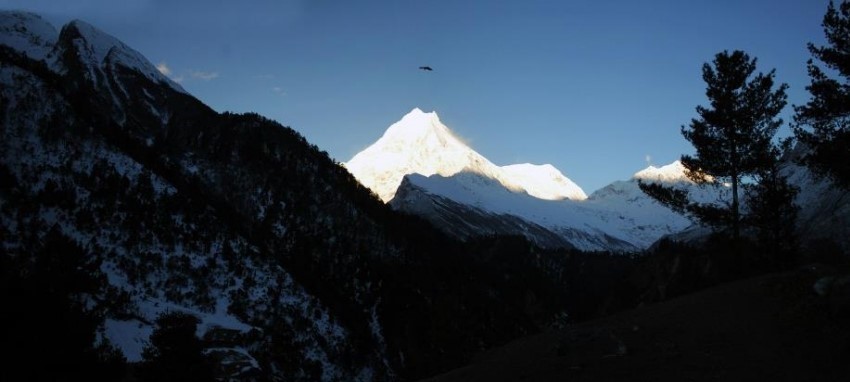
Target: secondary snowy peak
{"points": [[27, 33], [418, 144], [544, 182], [96, 50], [671, 173]]}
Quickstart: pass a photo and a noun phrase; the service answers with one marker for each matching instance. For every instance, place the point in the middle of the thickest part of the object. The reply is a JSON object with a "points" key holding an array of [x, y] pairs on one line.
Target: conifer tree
{"points": [[772, 212], [828, 111], [732, 136]]}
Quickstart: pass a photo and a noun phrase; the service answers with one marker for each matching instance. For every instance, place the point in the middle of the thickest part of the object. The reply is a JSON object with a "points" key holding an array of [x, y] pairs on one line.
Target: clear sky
{"points": [[596, 88]]}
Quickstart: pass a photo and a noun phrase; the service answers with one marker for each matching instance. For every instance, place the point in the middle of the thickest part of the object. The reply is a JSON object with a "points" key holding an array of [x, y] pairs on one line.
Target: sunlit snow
{"points": [[420, 144], [544, 181]]}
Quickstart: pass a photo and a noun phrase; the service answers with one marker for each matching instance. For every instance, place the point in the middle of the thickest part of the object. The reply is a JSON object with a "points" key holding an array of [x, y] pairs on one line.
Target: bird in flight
{"points": [[426, 68]]}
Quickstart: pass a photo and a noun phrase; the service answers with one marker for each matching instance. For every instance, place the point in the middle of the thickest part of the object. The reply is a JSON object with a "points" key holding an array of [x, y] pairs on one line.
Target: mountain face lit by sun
{"points": [[420, 144]]}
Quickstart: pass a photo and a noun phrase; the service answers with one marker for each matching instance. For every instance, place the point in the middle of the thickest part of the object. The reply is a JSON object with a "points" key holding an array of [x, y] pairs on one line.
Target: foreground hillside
{"points": [[792, 326]]}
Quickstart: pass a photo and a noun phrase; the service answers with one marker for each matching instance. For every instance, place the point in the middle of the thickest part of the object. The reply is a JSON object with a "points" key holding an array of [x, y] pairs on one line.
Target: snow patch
{"points": [[129, 336]]}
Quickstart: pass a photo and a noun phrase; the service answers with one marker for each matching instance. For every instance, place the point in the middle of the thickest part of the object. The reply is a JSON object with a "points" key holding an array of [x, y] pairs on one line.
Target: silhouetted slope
{"points": [[772, 328]]}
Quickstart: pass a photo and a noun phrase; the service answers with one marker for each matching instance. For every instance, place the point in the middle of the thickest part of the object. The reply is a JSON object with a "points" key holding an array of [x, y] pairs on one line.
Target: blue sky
{"points": [[596, 88]]}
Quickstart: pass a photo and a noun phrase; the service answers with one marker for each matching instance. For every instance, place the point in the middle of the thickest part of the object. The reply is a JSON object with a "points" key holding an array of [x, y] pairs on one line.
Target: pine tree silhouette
{"points": [[732, 136], [828, 111]]}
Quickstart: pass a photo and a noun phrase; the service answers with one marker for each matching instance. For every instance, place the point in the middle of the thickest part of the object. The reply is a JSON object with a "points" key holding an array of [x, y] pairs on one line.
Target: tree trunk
{"points": [[735, 216]]}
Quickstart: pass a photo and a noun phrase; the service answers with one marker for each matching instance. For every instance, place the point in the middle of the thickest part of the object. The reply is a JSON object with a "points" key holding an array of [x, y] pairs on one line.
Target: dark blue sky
{"points": [[594, 87]]}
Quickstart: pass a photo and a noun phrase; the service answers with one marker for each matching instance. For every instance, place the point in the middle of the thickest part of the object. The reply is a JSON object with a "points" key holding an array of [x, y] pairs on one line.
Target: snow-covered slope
{"points": [[420, 144], [566, 219], [824, 208], [97, 50], [465, 221], [672, 174], [27, 33], [94, 49], [544, 181], [618, 217], [641, 216]]}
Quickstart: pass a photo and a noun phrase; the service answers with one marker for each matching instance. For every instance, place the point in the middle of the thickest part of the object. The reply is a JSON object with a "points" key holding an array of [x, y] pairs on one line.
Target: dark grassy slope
{"points": [[773, 327]]}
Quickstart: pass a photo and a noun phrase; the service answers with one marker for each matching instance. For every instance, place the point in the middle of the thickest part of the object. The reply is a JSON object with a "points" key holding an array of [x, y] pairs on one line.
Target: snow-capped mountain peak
{"points": [[544, 181], [671, 173], [420, 143]]}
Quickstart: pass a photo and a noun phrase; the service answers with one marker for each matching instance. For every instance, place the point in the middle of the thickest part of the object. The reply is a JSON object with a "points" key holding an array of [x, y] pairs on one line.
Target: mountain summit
{"points": [[420, 144], [417, 144]]}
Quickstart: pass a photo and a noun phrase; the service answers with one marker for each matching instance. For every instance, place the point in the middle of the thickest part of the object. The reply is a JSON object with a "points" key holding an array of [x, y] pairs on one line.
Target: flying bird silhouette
{"points": [[426, 68]]}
